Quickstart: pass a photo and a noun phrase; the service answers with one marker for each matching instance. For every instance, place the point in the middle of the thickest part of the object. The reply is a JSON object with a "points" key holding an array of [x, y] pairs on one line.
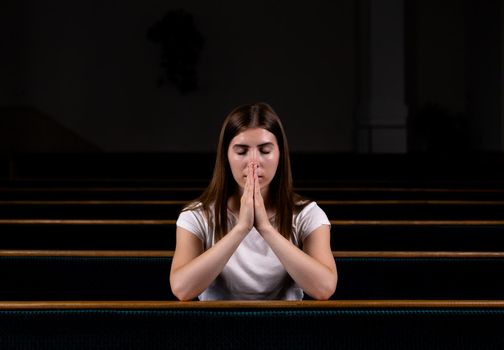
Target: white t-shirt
{"points": [[253, 271]]}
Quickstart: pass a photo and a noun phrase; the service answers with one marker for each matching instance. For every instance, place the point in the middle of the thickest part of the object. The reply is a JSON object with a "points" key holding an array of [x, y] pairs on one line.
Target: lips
{"points": [[260, 178]]}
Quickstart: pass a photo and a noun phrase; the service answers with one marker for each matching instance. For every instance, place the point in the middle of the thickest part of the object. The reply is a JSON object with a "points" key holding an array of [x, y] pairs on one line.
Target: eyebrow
{"points": [[247, 146]]}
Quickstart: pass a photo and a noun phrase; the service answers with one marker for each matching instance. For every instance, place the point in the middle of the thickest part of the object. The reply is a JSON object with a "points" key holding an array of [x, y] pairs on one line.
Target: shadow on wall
{"points": [[436, 130], [24, 129], [181, 44]]}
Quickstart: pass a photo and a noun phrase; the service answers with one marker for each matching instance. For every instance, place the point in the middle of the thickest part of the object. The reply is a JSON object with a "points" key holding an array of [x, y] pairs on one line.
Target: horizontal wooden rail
{"points": [[102, 189], [141, 188], [336, 254], [411, 202], [173, 222], [232, 304], [94, 202], [400, 189], [88, 253], [342, 202], [84, 222], [418, 254], [416, 222]]}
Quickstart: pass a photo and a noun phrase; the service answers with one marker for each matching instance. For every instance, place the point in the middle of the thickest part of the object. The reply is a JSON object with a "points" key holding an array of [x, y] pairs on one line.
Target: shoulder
{"points": [[193, 218], [309, 218], [192, 210], [308, 209]]}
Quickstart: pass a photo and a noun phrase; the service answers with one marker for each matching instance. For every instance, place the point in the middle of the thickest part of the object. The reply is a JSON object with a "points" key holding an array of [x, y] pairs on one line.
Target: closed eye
{"points": [[243, 149], [266, 150]]}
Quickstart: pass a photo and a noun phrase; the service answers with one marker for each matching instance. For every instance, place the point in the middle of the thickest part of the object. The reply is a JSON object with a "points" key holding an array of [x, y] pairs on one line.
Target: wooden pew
{"points": [[335, 209], [426, 235], [173, 190], [144, 275], [481, 169], [394, 237], [356, 324]]}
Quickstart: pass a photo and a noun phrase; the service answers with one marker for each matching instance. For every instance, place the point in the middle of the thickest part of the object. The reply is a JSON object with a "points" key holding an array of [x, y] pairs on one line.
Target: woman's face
{"points": [[255, 145]]}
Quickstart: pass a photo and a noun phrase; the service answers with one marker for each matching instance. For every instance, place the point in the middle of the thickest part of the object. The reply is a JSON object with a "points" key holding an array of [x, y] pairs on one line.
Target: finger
{"points": [[257, 187], [250, 181], [253, 183], [251, 175], [255, 177]]}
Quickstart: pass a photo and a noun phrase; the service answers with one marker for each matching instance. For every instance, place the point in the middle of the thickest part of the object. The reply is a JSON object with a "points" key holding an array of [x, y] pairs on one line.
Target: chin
{"points": [[264, 185]]}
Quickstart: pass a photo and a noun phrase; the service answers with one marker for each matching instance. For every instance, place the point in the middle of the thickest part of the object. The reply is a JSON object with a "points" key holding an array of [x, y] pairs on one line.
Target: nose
{"points": [[254, 157]]}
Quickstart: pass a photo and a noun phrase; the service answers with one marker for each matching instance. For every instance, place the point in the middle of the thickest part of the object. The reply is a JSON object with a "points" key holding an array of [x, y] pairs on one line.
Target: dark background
{"points": [[84, 76]]}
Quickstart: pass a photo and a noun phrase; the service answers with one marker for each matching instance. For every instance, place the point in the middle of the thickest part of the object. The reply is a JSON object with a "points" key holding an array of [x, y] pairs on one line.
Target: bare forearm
{"points": [[315, 278], [193, 278]]}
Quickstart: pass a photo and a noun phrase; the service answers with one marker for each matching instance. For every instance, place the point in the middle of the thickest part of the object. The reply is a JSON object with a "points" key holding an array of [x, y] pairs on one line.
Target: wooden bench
{"points": [[178, 190], [335, 209], [144, 275], [356, 324], [426, 235]]}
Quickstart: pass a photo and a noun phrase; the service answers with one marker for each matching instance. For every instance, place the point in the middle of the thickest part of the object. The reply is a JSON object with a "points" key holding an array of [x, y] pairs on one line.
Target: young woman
{"points": [[249, 236]]}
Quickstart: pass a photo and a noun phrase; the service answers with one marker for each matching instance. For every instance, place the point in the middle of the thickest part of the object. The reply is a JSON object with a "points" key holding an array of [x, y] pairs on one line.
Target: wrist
{"points": [[241, 229], [266, 230]]}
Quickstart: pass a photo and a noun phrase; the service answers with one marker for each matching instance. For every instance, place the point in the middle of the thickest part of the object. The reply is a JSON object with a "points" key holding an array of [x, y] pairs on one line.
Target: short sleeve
{"points": [[309, 219], [194, 222]]}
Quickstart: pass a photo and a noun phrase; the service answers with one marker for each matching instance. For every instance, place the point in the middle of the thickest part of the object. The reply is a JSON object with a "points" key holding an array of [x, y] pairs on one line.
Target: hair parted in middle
{"points": [[222, 185]]}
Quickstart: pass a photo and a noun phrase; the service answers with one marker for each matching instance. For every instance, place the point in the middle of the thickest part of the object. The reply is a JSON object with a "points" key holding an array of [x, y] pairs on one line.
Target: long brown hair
{"points": [[222, 185]]}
